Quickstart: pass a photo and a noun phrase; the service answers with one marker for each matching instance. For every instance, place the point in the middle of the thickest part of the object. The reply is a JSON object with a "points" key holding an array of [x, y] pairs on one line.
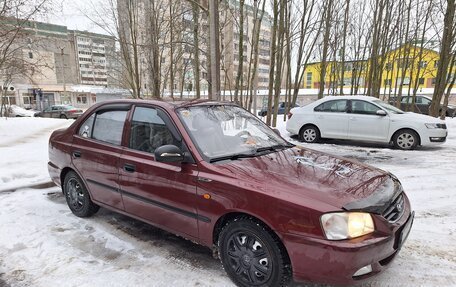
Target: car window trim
{"points": [[351, 112], [345, 111], [189, 158], [114, 107]]}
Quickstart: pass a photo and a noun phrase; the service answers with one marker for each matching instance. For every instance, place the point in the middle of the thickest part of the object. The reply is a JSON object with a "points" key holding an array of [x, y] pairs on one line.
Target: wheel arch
{"points": [[234, 215], [309, 124], [406, 128]]}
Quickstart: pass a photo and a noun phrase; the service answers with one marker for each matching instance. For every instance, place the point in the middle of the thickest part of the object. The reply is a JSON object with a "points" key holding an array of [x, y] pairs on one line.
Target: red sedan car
{"points": [[215, 174]]}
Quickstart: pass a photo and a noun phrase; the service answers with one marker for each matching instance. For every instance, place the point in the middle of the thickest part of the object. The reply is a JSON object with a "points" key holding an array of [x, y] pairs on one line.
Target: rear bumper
{"points": [[336, 262], [54, 173]]}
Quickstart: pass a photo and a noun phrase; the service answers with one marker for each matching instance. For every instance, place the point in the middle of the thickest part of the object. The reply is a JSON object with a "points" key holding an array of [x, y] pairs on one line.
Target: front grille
{"points": [[395, 210]]}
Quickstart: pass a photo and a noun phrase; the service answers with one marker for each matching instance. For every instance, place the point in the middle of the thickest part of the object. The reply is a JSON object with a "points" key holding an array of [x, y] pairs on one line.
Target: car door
{"points": [[332, 119], [162, 193], [364, 123], [96, 151], [47, 112], [55, 112], [423, 104]]}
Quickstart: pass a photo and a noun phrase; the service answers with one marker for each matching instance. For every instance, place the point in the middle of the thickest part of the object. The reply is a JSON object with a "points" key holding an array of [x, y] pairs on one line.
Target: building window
{"points": [[30, 54], [436, 64], [422, 64], [421, 81], [388, 82], [388, 66], [433, 82]]}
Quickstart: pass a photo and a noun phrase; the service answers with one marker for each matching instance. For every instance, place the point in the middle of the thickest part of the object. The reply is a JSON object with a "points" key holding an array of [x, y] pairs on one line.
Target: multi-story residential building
{"points": [[91, 56], [183, 51], [61, 62], [230, 46]]}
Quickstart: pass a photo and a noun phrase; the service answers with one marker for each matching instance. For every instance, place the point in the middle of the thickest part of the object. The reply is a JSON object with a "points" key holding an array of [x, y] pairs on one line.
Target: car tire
{"points": [[309, 134], [77, 196], [406, 139], [251, 254], [63, 117]]}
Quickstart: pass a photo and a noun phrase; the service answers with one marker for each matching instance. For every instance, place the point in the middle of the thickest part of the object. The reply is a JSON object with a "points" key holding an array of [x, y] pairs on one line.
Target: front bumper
{"points": [[433, 136], [335, 262]]}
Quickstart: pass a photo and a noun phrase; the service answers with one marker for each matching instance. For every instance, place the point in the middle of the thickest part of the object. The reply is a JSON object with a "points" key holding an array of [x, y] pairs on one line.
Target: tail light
{"points": [[73, 111], [289, 115]]}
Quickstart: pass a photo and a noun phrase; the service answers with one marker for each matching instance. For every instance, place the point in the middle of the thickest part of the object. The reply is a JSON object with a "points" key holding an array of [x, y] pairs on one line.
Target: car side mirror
{"points": [[380, 113], [169, 153]]}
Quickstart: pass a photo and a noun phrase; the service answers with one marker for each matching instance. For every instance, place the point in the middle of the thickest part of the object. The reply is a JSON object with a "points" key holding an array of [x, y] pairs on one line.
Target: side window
{"points": [[406, 100], [423, 101], [108, 126], [149, 131], [362, 107], [85, 130], [337, 106]]}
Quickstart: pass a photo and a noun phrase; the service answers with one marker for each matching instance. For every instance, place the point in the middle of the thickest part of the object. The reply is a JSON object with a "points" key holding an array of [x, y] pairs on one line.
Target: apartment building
{"points": [[92, 57], [61, 62], [179, 56]]}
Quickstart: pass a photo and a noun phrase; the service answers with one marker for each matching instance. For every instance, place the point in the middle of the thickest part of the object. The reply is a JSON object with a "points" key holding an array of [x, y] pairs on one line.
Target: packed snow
{"points": [[43, 244]]}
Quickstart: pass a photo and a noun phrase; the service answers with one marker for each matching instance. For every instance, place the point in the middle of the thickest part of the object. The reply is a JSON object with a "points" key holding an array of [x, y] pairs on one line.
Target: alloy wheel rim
{"points": [[75, 194], [309, 135], [249, 259], [405, 140]]}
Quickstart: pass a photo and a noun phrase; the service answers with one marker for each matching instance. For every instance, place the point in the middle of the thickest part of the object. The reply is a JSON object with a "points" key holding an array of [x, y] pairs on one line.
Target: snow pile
{"points": [[23, 150]]}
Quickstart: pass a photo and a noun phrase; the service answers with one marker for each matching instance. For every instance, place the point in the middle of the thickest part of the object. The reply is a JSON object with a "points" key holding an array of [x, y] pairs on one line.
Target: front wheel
{"points": [[252, 256], [309, 134], [405, 139], [77, 196]]}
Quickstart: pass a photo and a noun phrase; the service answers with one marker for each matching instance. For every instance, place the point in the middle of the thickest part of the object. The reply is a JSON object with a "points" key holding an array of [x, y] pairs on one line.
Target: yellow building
{"points": [[404, 66]]}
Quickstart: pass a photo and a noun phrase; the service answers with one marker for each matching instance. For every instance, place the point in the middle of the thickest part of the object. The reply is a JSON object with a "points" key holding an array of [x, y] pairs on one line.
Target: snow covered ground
{"points": [[43, 244]]}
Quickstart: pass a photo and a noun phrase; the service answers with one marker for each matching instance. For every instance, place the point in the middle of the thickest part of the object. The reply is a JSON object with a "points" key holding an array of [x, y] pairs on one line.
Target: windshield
{"points": [[228, 132], [388, 107]]}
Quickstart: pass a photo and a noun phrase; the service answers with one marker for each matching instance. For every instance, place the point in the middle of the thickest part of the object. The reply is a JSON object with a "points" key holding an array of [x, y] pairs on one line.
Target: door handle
{"points": [[76, 154], [129, 167]]}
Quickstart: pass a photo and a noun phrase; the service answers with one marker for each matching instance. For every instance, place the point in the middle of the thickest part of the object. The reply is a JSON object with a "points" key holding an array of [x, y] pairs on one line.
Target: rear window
{"points": [[336, 106], [108, 126]]}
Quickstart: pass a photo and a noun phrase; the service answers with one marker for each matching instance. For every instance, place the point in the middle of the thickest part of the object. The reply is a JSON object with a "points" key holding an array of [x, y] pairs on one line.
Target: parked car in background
{"points": [[271, 211], [60, 111], [363, 118], [422, 104], [282, 109], [16, 111]]}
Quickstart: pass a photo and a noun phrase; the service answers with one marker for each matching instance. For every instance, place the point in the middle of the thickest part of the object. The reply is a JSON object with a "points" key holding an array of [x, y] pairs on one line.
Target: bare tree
{"points": [[444, 59]]}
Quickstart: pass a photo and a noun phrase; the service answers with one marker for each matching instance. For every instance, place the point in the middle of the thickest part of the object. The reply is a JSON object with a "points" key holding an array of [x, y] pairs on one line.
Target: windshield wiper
{"points": [[274, 147], [232, 157]]}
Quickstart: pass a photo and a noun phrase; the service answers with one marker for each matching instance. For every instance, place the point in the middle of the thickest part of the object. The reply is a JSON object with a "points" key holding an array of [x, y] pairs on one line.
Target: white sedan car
{"points": [[363, 118]]}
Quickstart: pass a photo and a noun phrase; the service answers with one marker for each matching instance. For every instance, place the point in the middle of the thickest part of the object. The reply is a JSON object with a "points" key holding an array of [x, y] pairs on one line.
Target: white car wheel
{"points": [[406, 139], [309, 134]]}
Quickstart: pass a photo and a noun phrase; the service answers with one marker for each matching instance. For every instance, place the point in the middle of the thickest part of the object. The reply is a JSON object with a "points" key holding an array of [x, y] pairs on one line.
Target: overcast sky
{"points": [[69, 13]]}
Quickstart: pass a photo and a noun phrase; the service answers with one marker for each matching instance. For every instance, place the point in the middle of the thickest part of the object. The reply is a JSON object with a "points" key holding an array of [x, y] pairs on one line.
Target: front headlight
{"points": [[432, 126], [346, 225]]}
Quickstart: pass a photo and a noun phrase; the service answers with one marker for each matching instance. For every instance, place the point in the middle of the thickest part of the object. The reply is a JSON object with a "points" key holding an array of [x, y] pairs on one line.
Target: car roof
{"points": [[351, 97], [168, 103]]}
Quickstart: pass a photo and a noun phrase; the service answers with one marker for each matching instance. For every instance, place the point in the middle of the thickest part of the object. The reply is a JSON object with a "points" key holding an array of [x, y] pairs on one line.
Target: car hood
{"points": [[299, 174], [417, 118]]}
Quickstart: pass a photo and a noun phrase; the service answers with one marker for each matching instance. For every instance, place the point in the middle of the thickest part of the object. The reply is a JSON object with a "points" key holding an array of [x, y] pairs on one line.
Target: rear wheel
{"points": [[405, 139], [62, 116], [77, 196], [251, 255], [309, 134]]}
